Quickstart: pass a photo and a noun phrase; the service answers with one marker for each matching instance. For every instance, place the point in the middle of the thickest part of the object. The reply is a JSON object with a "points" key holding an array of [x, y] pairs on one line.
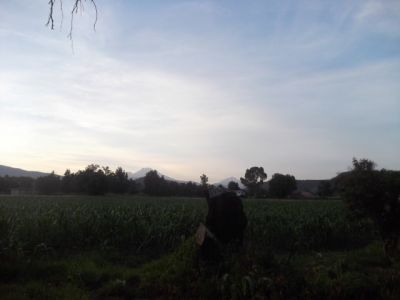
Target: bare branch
{"points": [[50, 20], [78, 6], [73, 11], [95, 20], [62, 14]]}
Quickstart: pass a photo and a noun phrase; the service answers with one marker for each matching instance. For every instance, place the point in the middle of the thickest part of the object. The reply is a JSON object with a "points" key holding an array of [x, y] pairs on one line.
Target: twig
{"points": [[50, 19]]}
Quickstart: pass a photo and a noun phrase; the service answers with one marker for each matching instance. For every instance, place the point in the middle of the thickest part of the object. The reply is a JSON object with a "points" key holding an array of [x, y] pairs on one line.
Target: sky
{"points": [[193, 87]]}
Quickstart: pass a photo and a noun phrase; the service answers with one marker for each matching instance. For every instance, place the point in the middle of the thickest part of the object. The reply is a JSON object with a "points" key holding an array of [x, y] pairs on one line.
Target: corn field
{"points": [[136, 225]]}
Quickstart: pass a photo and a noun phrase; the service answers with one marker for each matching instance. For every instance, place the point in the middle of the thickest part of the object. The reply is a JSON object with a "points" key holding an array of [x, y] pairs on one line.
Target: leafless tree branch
{"points": [[78, 6], [50, 20]]}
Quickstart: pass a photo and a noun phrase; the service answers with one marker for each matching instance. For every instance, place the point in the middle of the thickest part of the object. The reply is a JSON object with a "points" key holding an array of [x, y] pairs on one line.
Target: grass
{"points": [[137, 247]]}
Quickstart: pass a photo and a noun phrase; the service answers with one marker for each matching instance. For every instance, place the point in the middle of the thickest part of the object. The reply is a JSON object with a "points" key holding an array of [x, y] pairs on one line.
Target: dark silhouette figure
{"points": [[225, 224]]}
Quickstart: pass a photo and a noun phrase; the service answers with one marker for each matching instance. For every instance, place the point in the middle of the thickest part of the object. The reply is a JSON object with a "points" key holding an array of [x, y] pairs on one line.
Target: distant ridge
{"points": [[226, 181], [9, 171], [142, 173]]}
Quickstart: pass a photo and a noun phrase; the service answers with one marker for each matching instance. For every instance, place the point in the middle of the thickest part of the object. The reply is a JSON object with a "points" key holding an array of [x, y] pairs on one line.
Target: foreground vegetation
{"points": [[124, 247]]}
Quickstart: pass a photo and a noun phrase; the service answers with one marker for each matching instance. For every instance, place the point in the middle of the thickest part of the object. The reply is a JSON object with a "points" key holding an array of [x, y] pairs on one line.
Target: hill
{"points": [[16, 172]]}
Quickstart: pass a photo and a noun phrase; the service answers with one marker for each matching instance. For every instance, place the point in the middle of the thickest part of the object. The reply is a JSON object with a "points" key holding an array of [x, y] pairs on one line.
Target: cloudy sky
{"points": [[192, 87]]}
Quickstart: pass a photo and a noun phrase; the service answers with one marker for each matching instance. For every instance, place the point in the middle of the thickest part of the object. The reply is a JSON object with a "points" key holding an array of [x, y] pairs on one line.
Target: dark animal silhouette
{"points": [[226, 218], [225, 224]]}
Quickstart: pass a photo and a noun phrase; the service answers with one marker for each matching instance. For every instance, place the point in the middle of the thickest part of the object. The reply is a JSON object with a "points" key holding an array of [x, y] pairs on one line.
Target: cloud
{"points": [[380, 16], [199, 87]]}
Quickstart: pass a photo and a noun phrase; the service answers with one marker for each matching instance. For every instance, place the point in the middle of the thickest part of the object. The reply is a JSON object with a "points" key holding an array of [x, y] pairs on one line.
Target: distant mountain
{"points": [[142, 173], [139, 174], [4, 170], [226, 181]]}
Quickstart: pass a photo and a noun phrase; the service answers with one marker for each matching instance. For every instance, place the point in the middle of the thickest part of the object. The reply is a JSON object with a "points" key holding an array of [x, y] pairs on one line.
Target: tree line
{"points": [[96, 180], [93, 180]]}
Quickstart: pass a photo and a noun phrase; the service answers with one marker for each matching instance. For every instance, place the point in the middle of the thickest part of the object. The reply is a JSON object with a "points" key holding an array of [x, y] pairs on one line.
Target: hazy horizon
{"points": [[193, 87]]}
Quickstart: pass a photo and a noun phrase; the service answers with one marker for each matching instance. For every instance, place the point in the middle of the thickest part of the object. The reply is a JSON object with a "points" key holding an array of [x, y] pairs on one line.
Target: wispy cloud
{"points": [[202, 87]]}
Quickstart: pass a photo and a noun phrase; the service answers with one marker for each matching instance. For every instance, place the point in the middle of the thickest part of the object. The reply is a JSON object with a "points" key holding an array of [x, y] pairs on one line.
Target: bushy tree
{"points": [[325, 189], [281, 186], [50, 184], [253, 180], [374, 194], [233, 186], [155, 185], [69, 183], [92, 180], [118, 181]]}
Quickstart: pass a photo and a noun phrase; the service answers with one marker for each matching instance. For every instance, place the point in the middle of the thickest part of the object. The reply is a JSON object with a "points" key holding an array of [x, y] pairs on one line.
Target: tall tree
{"points": [[204, 180], [68, 182], [92, 180], [374, 194], [253, 180], [281, 186], [155, 185], [119, 182]]}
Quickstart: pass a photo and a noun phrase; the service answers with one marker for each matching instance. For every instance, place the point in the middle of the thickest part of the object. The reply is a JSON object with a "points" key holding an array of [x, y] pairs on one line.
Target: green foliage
{"points": [[63, 224], [281, 186], [253, 180], [96, 180], [374, 194], [64, 247]]}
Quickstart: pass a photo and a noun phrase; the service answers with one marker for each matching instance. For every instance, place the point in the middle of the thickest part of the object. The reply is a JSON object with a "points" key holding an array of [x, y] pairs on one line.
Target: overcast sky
{"points": [[192, 87]]}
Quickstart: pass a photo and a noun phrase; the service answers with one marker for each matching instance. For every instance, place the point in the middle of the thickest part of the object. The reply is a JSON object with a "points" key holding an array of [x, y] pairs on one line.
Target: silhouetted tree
{"points": [[92, 180], [204, 180], [233, 186], [50, 184], [118, 181], [374, 194], [155, 185], [253, 180], [68, 183], [281, 186], [325, 189], [23, 183]]}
